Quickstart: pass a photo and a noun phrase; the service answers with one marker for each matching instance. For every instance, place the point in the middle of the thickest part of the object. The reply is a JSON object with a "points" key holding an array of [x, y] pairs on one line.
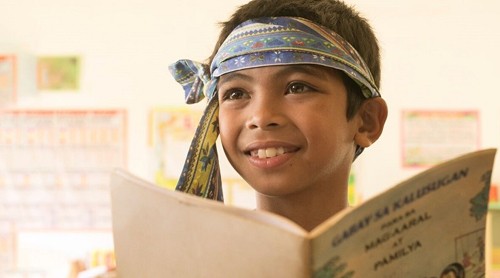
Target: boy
{"points": [[293, 91]]}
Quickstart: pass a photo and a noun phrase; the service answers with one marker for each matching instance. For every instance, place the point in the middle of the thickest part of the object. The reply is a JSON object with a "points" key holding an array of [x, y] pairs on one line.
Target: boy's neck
{"points": [[308, 208]]}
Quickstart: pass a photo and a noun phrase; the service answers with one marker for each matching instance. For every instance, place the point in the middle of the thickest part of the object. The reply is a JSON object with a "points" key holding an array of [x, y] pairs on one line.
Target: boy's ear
{"points": [[372, 115]]}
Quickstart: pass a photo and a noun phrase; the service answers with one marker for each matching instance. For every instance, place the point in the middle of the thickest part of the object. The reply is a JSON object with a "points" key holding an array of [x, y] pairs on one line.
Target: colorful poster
{"points": [[430, 137], [7, 79], [59, 73], [171, 131]]}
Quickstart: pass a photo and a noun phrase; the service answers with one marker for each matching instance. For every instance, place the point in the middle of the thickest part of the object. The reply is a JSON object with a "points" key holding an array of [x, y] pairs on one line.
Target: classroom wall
{"points": [[435, 55]]}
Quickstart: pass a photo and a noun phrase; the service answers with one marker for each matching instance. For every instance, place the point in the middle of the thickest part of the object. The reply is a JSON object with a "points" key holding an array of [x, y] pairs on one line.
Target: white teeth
{"points": [[270, 152], [262, 153]]}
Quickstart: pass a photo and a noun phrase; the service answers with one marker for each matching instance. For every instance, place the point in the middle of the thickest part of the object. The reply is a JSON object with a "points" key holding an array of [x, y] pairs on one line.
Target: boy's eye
{"points": [[234, 94], [297, 88]]}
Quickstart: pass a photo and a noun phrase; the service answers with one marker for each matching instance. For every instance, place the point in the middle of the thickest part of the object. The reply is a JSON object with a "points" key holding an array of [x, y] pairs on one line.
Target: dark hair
{"points": [[332, 14], [455, 268]]}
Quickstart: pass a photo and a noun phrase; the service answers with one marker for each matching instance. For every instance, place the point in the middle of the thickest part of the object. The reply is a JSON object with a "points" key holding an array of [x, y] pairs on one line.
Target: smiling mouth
{"points": [[269, 152]]}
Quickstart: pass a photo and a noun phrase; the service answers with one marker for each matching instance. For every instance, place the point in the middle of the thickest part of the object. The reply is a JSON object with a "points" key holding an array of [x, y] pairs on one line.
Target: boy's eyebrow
{"points": [[283, 71], [313, 70], [233, 75]]}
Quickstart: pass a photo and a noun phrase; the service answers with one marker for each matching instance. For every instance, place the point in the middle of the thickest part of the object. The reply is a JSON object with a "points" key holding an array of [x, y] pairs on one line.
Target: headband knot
{"points": [[194, 79]]}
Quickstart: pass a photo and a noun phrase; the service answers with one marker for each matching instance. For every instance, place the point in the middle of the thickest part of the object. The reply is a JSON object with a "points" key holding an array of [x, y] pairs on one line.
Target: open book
{"points": [[418, 228]]}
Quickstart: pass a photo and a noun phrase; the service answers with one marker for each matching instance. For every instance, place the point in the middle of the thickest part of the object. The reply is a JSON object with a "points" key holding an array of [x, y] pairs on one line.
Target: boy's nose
{"points": [[265, 113]]}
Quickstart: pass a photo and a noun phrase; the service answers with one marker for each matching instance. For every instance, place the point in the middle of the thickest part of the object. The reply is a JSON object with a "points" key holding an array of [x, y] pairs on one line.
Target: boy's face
{"points": [[284, 128]]}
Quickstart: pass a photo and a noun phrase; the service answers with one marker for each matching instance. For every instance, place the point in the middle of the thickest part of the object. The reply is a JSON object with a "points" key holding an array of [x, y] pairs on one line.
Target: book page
{"points": [[423, 227], [158, 232]]}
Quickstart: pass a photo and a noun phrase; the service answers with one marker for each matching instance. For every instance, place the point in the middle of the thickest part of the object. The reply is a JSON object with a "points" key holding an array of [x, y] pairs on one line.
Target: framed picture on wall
{"points": [[7, 79], [432, 136], [171, 130], [58, 73]]}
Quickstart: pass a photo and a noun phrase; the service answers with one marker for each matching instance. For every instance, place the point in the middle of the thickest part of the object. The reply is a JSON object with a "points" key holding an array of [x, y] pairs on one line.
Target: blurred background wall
{"points": [[439, 66]]}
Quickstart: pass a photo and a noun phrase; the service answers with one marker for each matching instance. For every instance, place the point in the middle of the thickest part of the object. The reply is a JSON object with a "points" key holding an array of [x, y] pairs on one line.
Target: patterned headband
{"points": [[256, 43]]}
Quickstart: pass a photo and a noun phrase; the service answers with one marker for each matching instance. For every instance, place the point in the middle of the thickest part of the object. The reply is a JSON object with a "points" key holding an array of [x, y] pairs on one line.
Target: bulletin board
{"points": [[430, 137]]}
